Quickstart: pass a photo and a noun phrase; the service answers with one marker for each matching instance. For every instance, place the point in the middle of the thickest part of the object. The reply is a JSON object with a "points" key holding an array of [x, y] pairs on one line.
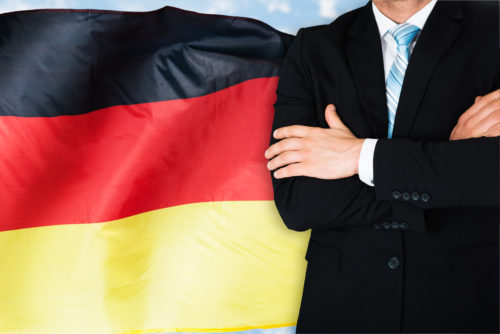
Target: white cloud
{"points": [[220, 7], [15, 5], [327, 8], [288, 30], [279, 5]]}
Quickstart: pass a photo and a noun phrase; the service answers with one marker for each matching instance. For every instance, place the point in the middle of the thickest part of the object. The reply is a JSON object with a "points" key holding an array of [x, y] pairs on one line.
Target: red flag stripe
{"points": [[124, 160]]}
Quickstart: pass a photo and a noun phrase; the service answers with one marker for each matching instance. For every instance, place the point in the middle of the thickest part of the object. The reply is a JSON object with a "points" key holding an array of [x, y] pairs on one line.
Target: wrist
{"points": [[358, 144]]}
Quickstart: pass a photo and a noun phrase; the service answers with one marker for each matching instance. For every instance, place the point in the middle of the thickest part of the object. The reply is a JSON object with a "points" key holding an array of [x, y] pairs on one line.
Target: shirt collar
{"points": [[418, 19]]}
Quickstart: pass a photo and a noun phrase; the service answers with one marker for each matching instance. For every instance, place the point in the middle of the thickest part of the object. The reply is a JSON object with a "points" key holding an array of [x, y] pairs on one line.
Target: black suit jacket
{"points": [[419, 251]]}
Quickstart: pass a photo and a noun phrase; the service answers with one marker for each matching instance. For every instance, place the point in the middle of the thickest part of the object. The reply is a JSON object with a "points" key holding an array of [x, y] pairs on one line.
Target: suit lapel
{"points": [[364, 53], [440, 31]]}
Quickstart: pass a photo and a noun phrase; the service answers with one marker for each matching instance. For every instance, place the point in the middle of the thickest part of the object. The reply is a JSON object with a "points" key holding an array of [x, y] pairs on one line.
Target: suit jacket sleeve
{"points": [[307, 202], [461, 173]]}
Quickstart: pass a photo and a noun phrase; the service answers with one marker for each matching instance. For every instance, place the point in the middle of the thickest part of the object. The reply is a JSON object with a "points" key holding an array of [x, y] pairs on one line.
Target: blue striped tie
{"points": [[403, 34]]}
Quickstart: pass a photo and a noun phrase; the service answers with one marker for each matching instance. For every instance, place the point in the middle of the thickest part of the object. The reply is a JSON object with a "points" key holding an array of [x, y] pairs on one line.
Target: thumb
{"points": [[331, 116]]}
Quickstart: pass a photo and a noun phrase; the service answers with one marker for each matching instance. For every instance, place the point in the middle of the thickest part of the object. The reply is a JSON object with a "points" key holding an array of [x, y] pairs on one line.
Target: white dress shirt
{"points": [[389, 52]]}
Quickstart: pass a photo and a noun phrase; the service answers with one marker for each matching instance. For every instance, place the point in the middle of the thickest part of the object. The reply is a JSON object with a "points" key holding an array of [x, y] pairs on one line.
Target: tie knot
{"points": [[404, 33]]}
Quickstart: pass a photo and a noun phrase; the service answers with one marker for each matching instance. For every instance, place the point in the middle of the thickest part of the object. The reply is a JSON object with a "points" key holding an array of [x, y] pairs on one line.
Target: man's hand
{"points": [[482, 119], [316, 152]]}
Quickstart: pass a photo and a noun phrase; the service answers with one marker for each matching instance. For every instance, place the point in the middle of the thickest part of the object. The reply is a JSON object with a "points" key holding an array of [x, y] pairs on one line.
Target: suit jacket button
{"points": [[425, 197], [395, 225], [393, 262], [386, 225], [396, 194], [377, 226], [415, 196], [403, 225], [406, 196]]}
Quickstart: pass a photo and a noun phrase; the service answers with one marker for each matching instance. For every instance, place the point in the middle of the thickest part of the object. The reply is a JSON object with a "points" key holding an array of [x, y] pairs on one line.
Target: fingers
{"points": [[495, 95], [331, 116], [334, 121], [289, 144], [292, 131], [486, 116], [479, 103], [482, 101], [492, 118], [297, 169], [453, 135], [479, 118], [487, 107], [285, 158], [493, 131]]}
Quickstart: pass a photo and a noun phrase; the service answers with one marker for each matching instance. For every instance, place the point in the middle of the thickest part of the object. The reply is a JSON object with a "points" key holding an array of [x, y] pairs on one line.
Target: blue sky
{"points": [[285, 15]]}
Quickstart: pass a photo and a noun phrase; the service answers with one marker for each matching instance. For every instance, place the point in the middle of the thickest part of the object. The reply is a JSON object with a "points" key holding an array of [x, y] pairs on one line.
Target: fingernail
{"points": [[265, 153], [331, 107], [275, 132]]}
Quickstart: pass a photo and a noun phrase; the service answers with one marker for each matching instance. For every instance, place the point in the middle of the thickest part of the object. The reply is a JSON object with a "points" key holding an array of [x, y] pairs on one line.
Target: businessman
{"points": [[387, 148]]}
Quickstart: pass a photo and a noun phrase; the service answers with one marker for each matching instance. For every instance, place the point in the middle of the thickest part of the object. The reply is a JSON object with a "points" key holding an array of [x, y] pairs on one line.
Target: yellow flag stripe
{"points": [[279, 329], [206, 266]]}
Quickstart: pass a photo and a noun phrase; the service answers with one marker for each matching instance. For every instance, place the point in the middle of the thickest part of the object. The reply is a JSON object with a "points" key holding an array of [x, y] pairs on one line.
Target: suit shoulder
{"points": [[337, 28], [481, 14]]}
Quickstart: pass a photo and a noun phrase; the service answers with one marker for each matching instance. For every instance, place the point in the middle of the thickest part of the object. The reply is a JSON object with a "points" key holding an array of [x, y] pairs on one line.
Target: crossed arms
{"points": [[315, 177]]}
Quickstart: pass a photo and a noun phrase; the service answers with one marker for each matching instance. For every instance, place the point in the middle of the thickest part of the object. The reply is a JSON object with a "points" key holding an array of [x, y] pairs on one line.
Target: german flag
{"points": [[134, 193]]}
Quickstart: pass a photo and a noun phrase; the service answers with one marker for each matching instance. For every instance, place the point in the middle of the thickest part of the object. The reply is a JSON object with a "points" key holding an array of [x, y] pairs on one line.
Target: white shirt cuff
{"points": [[365, 162]]}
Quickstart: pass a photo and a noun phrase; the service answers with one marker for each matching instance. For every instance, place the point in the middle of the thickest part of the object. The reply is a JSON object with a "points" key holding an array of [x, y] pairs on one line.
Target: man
{"points": [[405, 223]]}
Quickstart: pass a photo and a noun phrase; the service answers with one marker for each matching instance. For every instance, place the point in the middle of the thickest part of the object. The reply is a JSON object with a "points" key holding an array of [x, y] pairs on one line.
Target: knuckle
{"points": [[296, 142], [293, 169], [299, 156], [284, 143], [299, 130], [305, 132], [276, 148], [464, 117], [305, 151], [306, 140], [277, 161], [466, 124], [493, 105], [495, 94], [461, 119], [288, 155], [270, 152], [272, 163], [315, 129], [293, 141]]}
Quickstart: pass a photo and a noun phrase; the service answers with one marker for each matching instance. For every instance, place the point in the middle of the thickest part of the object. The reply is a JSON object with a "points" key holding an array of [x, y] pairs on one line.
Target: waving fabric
{"points": [[134, 194]]}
